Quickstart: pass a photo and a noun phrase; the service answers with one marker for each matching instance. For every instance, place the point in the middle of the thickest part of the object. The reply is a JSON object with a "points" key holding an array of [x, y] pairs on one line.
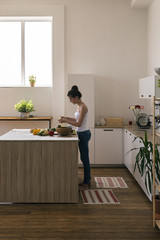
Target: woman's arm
{"points": [[73, 121], [69, 118]]}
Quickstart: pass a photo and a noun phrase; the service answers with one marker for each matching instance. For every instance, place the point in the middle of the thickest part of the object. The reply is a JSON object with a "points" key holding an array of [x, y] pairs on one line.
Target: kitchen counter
{"points": [[136, 131], [38, 168], [25, 135], [141, 133]]}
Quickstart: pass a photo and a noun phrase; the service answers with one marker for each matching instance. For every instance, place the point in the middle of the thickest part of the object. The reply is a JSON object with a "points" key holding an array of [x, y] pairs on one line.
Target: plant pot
{"points": [[157, 205], [25, 114], [32, 84]]}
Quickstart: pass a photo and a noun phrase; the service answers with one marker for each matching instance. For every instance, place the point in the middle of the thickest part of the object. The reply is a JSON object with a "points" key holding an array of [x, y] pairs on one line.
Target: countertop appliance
{"points": [[143, 121]]}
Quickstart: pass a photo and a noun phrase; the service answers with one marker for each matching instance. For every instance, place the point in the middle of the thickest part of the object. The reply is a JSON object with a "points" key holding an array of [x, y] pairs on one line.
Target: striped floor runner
{"points": [[110, 182], [99, 196]]}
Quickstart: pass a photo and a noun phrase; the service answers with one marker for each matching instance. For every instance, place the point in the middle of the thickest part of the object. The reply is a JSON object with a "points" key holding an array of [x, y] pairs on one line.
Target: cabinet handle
{"points": [[107, 130], [149, 95], [141, 95], [130, 134]]}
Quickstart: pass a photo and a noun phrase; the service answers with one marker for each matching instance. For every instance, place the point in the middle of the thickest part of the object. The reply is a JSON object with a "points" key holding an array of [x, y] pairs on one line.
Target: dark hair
{"points": [[74, 92]]}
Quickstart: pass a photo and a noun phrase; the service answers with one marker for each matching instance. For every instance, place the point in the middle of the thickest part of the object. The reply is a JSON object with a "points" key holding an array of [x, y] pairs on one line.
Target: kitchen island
{"points": [[38, 169]]}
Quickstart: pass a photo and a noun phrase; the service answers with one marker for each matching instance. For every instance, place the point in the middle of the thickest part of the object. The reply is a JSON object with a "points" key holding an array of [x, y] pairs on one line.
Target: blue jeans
{"points": [[84, 138]]}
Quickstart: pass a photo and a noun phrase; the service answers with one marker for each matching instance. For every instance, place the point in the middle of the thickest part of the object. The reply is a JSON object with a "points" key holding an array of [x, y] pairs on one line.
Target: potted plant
{"points": [[144, 163], [32, 80], [25, 107]]}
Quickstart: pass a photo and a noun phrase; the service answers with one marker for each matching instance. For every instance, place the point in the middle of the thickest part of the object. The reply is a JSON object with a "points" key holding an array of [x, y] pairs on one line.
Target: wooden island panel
{"points": [[39, 171]]}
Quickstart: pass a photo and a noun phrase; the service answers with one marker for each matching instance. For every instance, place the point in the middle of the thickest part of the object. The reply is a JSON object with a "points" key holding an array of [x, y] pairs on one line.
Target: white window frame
{"points": [[23, 20]]}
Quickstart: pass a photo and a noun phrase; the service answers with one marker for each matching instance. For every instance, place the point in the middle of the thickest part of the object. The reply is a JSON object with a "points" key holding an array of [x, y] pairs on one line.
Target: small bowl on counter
{"points": [[64, 131]]}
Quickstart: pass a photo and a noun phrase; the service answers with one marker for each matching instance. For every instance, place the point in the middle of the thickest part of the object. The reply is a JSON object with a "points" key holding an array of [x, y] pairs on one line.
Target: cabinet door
{"points": [[141, 180], [147, 87], [128, 155], [91, 149], [136, 144], [108, 146]]}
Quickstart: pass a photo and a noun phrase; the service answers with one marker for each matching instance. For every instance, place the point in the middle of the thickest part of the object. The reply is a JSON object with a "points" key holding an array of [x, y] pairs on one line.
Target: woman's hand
{"points": [[62, 120]]}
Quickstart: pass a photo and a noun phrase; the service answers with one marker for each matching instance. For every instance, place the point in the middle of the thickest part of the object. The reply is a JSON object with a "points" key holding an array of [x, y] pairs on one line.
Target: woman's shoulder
{"points": [[84, 107]]}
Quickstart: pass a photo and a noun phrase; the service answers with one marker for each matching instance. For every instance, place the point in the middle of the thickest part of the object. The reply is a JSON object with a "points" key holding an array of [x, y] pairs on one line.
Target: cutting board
{"points": [[114, 121]]}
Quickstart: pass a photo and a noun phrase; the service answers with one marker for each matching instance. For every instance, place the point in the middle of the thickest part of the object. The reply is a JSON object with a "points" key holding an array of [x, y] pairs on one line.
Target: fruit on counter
{"points": [[40, 133], [73, 131], [36, 131], [51, 132], [51, 129], [43, 132]]}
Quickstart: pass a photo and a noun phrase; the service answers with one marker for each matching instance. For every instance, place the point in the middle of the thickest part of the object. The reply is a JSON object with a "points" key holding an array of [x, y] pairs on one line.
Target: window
{"points": [[25, 49]]}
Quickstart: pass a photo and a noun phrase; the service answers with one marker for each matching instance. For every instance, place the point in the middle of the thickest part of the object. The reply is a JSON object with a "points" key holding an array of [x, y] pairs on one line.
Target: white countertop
{"points": [[25, 135]]}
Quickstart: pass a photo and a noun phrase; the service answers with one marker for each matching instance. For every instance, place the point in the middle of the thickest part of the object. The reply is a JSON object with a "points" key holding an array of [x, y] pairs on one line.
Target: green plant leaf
{"points": [[24, 106], [144, 162]]}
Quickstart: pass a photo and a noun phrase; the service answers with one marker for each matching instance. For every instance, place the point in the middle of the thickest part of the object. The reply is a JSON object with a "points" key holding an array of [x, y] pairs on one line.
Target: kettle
{"points": [[143, 121]]}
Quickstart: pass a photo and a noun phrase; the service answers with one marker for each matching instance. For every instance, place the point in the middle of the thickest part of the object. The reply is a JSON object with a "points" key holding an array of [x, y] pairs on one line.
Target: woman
{"points": [[84, 134]]}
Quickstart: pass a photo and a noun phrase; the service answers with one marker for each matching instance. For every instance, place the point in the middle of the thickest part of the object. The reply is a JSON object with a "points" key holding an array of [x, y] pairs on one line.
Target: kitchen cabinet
{"points": [[130, 158], [149, 87], [38, 169], [108, 146], [128, 155]]}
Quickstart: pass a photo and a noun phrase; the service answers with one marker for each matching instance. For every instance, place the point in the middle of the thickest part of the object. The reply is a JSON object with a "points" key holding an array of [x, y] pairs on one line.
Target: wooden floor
{"points": [[131, 219]]}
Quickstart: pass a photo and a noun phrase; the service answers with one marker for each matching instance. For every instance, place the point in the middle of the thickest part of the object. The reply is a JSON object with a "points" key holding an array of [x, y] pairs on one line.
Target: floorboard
{"points": [[131, 219]]}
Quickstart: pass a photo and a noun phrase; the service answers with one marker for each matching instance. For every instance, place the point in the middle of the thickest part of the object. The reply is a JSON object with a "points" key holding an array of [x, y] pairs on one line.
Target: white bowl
{"points": [[157, 70]]}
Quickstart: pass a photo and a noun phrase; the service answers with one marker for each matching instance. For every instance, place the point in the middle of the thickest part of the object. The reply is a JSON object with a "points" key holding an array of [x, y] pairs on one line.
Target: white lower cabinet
{"points": [[108, 146], [130, 157]]}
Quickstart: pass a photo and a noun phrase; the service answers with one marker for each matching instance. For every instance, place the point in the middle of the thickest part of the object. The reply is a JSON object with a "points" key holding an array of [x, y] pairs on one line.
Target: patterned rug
{"points": [[99, 196], [110, 182]]}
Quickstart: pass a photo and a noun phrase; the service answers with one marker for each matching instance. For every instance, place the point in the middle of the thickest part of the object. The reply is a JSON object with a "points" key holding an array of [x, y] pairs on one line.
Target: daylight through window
{"points": [[25, 49]]}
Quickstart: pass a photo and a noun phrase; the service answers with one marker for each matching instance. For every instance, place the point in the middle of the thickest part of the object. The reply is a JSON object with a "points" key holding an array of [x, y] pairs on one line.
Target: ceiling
{"points": [[140, 3]]}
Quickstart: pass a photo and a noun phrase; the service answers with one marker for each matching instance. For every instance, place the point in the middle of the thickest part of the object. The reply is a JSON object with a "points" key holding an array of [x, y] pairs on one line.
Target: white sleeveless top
{"points": [[83, 126]]}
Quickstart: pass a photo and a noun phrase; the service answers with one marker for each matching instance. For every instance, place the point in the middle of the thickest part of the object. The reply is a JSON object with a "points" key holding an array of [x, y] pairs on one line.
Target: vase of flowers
{"points": [[24, 107], [32, 80], [136, 110]]}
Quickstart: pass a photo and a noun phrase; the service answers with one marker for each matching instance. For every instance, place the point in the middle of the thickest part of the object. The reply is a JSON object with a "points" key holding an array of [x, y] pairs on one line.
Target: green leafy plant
{"points": [[24, 106], [144, 162], [32, 78]]}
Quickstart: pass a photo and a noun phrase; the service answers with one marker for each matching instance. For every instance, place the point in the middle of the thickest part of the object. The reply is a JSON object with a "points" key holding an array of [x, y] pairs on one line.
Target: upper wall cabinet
{"points": [[149, 87]]}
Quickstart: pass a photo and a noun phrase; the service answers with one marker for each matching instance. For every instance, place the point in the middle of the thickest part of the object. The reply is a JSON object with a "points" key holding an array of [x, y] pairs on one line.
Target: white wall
{"points": [[109, 39], [102, 37], [153, 37]]}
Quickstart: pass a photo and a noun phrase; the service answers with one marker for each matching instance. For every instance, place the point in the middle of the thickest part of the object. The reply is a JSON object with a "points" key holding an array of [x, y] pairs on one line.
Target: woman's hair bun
{"points": [[75, 88], [74, 92]]}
